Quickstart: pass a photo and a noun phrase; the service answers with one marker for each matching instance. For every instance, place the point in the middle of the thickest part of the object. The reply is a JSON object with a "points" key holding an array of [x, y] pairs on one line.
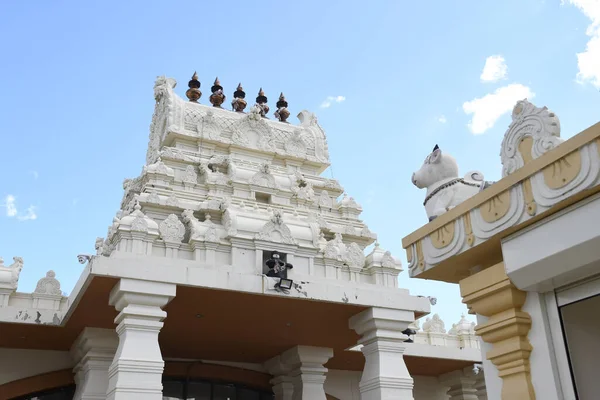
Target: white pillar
{"points": [[480, 386], [461, 384], [385, 375], [93, 352], [283, 387], [307, 371], [136, 371]]}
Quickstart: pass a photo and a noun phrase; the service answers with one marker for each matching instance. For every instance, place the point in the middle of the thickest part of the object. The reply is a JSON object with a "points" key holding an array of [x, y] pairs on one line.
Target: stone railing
{"points": [[46, 305], [541, 175]]}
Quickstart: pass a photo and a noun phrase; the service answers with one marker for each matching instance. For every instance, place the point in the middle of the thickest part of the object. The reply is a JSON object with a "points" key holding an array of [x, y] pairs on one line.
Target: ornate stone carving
{"points": [[434, 325], [301, 187], [354, 256], [295, 145], [172, 201], [325, 200], [9, 276], [209, 128], [445, 190], [563, 171], [276, 230], [468, 229], [153, 197], [171, 229], [387, 261], [48, 285], [263, 177], [230, 223], [190, 175], [540, 124]]}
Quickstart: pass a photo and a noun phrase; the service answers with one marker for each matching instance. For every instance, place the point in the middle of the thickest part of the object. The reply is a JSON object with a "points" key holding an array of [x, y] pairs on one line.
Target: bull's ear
{"points": [[436, 155]]}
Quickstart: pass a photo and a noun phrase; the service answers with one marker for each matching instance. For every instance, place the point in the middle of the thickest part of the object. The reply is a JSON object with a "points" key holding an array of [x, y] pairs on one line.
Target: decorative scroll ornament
{"points": [[171, 229], [276, 230], [542, 125], [48, 285], [10, 275]]}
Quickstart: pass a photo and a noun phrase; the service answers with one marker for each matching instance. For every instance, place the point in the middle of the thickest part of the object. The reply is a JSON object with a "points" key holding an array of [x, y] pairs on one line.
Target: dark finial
{"points": [[238, 103], [217, 97], [282, 112], [261, 98], [239, 93], [436, 148], [282, 102], [261, 101], [194, 93]]}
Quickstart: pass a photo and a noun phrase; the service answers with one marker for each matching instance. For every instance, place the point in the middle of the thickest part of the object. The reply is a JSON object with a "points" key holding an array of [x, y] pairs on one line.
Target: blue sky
{"points": [[400, 76]]}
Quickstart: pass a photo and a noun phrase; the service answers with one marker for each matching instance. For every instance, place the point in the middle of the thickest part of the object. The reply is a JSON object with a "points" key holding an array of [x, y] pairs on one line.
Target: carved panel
{"points": [[496, 207], [469, 229], [443, 236], [563, 171]]}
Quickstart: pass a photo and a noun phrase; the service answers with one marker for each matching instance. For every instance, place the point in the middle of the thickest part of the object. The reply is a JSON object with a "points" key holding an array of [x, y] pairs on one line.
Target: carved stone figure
{"points": [[445, 190], [48, 285], [434, 325], [171, 229]]}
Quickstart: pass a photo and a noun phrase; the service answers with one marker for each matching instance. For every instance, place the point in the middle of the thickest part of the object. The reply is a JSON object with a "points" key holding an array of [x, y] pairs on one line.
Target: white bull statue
{"points": [[445, 190]]}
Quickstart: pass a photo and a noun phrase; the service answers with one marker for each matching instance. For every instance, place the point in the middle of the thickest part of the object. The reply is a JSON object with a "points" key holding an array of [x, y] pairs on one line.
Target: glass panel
{"points": [[224, 392], [582, 330], [198, 391], [172, 390], [247, 394]]}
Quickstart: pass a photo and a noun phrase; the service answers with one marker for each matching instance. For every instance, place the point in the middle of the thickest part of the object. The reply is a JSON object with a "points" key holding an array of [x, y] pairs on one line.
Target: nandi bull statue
{"points": [[445, 190]]}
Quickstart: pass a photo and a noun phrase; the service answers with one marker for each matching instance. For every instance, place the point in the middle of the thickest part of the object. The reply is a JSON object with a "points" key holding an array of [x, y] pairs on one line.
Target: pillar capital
{"points": [[93, 352], [307, 371], [283, 387], [385, 375], [491, 293], [461, 384]]}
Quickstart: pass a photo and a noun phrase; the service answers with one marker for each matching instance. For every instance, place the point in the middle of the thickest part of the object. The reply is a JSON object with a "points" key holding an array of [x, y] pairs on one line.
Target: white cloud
{"points": [[589, 60], [10, 203], [332, 99], [488, 109], [442, 119], [30, 215], [494, 69], [11, 208]]}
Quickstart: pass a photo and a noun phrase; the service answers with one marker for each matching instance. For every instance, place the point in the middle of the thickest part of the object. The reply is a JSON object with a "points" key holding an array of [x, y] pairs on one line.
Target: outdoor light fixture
{"points": [[278, 269], [285, 283], [409, 332]]}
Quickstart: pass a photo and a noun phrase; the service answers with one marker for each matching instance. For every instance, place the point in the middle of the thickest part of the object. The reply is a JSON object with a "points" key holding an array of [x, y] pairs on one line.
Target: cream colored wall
{"points": [[17, 364], [344, 385], [582, 330]]}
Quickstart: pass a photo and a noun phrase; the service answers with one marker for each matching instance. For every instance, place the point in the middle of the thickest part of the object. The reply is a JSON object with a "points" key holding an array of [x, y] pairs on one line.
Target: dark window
{"points": [[63, 393], [179, 388]]}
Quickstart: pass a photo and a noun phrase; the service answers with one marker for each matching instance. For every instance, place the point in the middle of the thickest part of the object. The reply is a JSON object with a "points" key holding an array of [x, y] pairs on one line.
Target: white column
{"points": [[480, 386], [136, 371], [385, 375], [307, 371], [461, 384], [93, 352], [283, 388]]}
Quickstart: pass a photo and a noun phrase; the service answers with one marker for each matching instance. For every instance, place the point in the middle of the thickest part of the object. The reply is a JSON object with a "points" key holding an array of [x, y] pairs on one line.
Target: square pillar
{"points": [[461, 384], [283, 387], [93, 352], [307, 372], [136, 371], [385, 375]]}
